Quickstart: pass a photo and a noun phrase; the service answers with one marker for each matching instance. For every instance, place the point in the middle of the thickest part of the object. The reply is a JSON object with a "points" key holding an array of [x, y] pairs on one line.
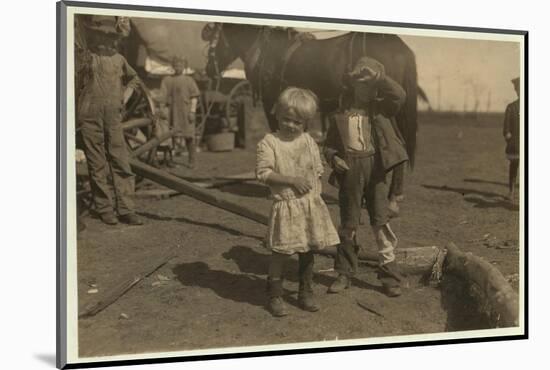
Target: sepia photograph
{"points": [[240, 184]]}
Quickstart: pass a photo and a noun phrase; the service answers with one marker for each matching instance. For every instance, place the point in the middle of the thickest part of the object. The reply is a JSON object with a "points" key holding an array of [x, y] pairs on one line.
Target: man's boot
{"points": [[305, 293], [275, 292]]}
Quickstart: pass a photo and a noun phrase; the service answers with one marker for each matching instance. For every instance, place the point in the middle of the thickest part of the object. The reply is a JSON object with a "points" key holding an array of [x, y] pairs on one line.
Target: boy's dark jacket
{"points": [[387, 141]]}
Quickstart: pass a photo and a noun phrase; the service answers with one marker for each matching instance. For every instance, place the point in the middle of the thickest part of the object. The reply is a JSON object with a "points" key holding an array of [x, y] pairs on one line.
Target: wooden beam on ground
{"points": [[213, 198], [410, 260]]}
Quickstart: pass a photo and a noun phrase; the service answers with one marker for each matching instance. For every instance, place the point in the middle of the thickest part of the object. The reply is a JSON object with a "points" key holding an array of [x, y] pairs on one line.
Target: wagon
{"points": [[149, 46]]}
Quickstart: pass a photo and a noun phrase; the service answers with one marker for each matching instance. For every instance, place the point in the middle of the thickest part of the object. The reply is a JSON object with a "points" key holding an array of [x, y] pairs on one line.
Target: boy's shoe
{"points": [[391, 279], [307, 302], [130, 219], [277, 307], [108, 218], [342, 282]]}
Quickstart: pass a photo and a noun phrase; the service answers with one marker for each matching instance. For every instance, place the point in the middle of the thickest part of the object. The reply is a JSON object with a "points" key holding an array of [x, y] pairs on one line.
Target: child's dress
{"points": [[298, 223]]}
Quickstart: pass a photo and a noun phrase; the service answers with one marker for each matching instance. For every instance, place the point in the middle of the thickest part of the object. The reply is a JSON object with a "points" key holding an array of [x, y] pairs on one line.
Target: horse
{"points": [[277, 57]]}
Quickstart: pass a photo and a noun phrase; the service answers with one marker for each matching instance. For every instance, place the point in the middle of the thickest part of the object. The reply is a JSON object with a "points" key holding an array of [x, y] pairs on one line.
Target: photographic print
{"points": [[237, 184]]}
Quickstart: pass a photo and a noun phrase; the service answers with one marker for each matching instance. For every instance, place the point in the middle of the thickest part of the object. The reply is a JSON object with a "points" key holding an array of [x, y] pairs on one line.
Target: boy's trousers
{"points": [[365, 179], [106, 153]]}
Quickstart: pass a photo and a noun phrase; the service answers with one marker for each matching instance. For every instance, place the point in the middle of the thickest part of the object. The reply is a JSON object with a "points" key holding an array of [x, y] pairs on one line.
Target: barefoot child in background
{"points": [[511, 135], [289, 162], [181, 94]]}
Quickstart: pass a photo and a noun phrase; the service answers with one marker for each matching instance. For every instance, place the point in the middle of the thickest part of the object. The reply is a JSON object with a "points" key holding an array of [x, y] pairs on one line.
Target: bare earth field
{"points": [[212, 294]]}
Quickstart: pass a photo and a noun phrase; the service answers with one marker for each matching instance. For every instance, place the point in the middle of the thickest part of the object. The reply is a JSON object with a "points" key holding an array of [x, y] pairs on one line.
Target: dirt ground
{"points": [[212, 294]]}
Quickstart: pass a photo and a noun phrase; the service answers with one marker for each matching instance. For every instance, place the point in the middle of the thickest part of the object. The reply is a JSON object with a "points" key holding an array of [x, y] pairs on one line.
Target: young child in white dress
{"points": [[289, 162]]}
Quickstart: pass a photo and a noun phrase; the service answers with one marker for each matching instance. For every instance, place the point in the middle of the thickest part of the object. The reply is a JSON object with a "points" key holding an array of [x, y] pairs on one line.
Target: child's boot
{"points": [[306, 298], [275, 292], [389, 273]]}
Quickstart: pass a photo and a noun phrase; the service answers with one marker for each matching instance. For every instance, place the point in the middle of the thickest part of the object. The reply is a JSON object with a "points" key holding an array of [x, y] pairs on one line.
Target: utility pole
{"points": [[465, 97], [439, 93], [489, 101]]}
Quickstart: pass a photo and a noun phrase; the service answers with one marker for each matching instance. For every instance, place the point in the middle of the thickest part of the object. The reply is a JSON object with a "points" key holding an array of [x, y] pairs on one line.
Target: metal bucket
{"points": [[222, 142]]}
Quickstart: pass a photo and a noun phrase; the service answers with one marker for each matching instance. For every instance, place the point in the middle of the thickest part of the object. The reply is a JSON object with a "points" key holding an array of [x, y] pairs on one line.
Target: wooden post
{"points": [[501, 297]]}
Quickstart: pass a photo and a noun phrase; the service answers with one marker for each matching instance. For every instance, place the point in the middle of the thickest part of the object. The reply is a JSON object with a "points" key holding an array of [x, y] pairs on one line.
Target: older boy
{"points": [[99, 116], [362, 147]]}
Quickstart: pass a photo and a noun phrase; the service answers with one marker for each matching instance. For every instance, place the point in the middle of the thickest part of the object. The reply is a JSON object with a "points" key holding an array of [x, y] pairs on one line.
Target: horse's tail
{"points": [[407, 116]]}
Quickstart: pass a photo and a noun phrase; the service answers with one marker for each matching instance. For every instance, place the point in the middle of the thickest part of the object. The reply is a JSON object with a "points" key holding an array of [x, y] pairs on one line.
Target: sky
{"points": [[466, 69]]}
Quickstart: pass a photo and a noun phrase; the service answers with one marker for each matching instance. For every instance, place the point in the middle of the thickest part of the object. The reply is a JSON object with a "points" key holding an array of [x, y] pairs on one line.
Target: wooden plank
{"points": [[119, 290]]}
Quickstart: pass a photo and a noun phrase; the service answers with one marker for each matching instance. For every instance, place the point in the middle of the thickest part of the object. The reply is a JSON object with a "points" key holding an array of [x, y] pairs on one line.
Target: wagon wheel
{"points": [[201, 116], [238, 95], [138, 120]]}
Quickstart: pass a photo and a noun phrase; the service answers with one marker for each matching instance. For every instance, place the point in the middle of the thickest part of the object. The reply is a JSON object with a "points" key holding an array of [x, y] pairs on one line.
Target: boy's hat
{"points": [[359, 72], [104, 24]]}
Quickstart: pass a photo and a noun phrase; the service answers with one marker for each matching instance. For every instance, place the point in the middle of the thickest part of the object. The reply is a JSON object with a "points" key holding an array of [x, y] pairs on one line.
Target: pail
{"points": [[222, 142]]}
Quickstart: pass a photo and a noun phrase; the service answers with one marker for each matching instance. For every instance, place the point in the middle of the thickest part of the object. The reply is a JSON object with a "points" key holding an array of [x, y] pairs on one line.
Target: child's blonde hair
{"points": [[301, 102]]}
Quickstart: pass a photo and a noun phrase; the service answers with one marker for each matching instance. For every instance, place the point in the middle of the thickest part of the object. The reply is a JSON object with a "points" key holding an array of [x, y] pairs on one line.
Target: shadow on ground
{"points": [[480, 199], [482, 181], [249, 261], [186, 220], [235, 287]]}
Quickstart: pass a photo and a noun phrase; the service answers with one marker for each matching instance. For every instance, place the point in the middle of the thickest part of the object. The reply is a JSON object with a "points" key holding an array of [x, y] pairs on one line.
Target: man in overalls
{"points": [[99, 112]]}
